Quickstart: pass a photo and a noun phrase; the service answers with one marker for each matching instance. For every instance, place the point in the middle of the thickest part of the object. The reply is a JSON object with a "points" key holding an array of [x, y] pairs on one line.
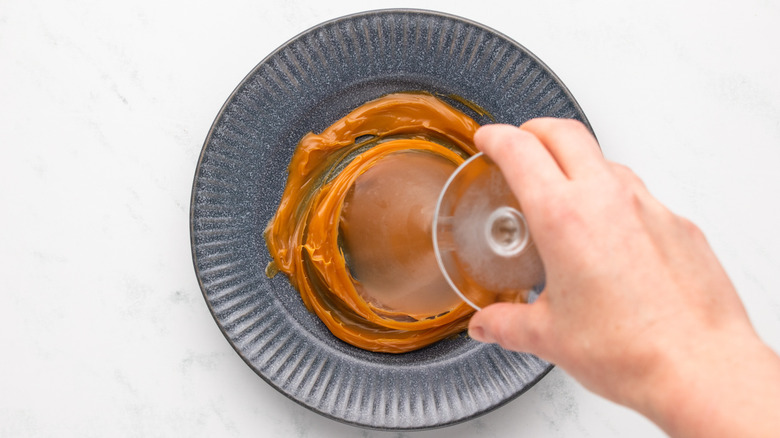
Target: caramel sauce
{"points": [[353, 228]]}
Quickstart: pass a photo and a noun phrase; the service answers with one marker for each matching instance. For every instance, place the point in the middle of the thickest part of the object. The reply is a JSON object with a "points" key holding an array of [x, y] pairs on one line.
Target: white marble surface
{"points": [[104, 107]]}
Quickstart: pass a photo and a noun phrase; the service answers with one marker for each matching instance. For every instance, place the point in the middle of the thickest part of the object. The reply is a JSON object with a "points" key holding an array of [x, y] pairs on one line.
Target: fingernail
{"points": [[478, 334]]}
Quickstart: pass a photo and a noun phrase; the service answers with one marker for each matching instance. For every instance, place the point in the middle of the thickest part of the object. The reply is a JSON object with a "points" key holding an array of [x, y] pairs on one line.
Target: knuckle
{"points": [[621, 169], [534, 337], [501, 335], [690, 228], [625, 176], [515, 335]]}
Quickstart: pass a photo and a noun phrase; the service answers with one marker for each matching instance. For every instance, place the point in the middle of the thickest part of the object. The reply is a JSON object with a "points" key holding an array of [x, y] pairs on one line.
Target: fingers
{"points": [[522, 158], [517, 327], [570, 143]]}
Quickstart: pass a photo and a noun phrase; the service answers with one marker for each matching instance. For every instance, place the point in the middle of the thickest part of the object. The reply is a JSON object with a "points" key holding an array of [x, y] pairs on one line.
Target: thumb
{"points": [[518, 327]]}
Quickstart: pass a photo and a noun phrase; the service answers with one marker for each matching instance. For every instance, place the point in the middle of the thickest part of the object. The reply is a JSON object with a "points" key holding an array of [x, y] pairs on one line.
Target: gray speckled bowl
{"points": [[305, 85]]}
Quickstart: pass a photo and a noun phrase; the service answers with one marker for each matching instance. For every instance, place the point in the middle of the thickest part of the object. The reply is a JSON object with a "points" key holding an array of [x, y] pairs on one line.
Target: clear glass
{"points": [[481, 239]]}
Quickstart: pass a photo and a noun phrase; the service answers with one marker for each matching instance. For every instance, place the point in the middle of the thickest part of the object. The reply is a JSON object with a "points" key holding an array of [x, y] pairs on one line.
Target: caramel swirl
{"points": [[352, 230]]}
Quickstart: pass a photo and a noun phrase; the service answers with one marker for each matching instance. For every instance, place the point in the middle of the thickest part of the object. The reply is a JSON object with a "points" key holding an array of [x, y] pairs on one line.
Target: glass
{"points": [[481, 239]]}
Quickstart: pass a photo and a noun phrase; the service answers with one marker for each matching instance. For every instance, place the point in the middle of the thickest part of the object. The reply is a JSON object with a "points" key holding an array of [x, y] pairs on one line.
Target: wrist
{"points": [[709, 386]]}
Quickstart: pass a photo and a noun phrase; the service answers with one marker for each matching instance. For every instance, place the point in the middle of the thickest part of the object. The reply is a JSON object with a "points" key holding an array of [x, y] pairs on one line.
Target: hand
{"points": [[635, 301]]}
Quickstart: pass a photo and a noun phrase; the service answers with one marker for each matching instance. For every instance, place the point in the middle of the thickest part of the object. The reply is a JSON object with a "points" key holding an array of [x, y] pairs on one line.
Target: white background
{"points": [[104, 107]]}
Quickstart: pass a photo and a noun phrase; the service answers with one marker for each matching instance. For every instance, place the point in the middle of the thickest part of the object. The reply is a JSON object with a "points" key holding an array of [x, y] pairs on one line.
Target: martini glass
{"points": [[481, 238]]}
